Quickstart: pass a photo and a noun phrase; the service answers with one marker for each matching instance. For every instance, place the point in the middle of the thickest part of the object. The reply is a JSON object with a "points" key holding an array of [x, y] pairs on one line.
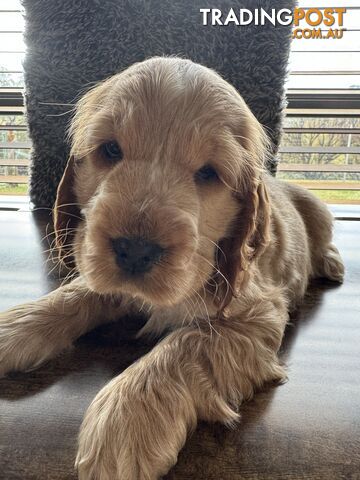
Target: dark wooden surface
{"points": [[308, 428]]}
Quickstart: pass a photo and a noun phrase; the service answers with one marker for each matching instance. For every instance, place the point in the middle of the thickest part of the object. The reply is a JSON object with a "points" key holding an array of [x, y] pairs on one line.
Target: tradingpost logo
{"points": [[326, 23], [318, 23]]}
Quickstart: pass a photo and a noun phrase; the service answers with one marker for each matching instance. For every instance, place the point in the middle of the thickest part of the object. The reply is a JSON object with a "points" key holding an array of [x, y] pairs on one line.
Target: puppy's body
{"points": [[167, 161]]}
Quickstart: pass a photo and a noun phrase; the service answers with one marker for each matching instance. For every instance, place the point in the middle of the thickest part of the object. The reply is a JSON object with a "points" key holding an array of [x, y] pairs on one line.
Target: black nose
{"points": [[136, 255]]}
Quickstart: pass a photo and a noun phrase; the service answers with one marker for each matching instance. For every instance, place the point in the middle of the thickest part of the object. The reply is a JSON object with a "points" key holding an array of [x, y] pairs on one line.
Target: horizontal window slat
{"points": [[349, 50], [320, 121], [15, 145], [17, 128], [318, 81], [14, 162], [13, 110], [324, 102], [14, 179], [316, 158], [321, 130], [312, 149], [8, 90], [320, 185], [13, 51], [300, 167], [323, 112], [324, 72]]}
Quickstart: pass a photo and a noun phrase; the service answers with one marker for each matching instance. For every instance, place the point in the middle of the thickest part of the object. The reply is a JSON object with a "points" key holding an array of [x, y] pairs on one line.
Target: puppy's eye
{"points": [[112, 151], [206, 174]]}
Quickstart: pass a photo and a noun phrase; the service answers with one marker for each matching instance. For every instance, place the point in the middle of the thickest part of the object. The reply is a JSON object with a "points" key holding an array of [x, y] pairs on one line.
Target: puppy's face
{"points": [[164, 154]]}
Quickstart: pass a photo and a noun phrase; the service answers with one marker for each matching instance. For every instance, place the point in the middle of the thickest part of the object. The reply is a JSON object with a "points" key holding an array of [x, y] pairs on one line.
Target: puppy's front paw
{"points": [[127, 434], [26, 339]]}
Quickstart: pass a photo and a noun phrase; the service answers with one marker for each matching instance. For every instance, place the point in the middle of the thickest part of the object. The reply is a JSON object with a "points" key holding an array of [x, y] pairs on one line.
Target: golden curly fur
{"points": [[239, 248]]}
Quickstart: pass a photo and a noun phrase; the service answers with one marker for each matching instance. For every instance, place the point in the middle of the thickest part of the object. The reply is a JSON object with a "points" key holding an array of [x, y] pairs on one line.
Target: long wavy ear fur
{"points": [[250, 233], [66, 214], [248, 239]]}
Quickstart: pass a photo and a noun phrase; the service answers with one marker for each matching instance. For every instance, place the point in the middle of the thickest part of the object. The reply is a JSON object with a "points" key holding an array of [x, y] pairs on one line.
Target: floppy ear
{"points": [[66, 213], [249, 237], [249, 234]]}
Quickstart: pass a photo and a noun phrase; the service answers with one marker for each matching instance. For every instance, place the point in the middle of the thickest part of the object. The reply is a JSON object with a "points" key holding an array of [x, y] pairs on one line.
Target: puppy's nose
{"points": [[136, 255]]}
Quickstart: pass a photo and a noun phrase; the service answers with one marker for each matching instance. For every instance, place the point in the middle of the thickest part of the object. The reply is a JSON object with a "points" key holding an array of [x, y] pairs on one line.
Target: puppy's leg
{"points": [[326, 259], [137, 424], [332, 265], [36, 331]]}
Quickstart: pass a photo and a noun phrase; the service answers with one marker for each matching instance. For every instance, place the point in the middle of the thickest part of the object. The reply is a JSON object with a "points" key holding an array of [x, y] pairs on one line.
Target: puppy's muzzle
{"points": [[136, 255]]}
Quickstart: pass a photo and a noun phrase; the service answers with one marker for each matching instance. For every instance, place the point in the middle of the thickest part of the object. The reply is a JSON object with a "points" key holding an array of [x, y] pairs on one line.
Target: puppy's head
{"points": [[162, 195]]}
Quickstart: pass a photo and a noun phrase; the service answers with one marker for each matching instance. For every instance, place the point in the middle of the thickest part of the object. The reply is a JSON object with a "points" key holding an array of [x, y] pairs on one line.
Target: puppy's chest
{"points": [[167, 319]]}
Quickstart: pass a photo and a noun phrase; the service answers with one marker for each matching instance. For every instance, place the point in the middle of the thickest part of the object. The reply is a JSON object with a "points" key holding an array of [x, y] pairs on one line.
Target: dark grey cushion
{"points": [[72, 44]]}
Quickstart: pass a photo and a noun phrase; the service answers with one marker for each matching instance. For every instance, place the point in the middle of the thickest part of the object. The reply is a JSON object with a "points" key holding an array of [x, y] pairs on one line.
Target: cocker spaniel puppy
{"points": [[165, 202]]}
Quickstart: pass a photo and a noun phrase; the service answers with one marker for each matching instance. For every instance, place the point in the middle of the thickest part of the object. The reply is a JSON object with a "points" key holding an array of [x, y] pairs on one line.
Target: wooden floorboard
{"points": [[308, 428]]}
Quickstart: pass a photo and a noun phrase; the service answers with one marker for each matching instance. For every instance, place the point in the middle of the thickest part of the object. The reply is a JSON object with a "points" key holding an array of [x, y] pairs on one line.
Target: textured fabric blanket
{"points": [[73, 44]]}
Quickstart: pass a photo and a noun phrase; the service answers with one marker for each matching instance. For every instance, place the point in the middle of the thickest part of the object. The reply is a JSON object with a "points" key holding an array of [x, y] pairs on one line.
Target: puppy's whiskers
{"points": [[207, 316], [215, 245], [216, 270]]}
